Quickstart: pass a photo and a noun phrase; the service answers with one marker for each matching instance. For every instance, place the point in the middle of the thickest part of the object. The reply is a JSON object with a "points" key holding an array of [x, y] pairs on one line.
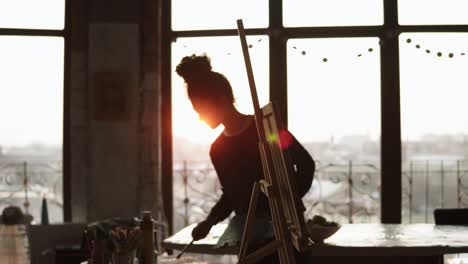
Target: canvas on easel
{"points": [[278, 183]]}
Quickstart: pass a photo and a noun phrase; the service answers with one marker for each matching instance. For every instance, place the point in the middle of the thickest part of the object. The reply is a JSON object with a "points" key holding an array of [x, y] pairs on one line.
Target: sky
{"points": [[343, 93]]}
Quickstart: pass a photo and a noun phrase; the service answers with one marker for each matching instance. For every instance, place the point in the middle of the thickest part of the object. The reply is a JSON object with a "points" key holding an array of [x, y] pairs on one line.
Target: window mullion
{"points": [[32, 32], [391, 183], [278, 67]]}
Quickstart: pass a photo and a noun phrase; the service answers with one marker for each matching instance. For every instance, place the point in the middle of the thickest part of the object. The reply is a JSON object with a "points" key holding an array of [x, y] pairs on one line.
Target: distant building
{"points": [[355, 142]]}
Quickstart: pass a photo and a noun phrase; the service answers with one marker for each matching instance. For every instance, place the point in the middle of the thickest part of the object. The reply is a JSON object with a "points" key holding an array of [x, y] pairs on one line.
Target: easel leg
{"points": [[249, 221]]}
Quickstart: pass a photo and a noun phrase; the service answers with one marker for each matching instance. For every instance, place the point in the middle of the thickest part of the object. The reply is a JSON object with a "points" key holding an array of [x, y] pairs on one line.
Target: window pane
{"points": [[31, 107], [192, 138], [219, 14], [301, 13], [32, 14], [334, 110], [432, 12], [434, 128]]}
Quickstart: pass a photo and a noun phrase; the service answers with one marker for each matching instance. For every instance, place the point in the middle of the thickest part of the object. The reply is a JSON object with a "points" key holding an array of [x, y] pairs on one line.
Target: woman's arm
{"points": [[220, 211], [223, 207]]}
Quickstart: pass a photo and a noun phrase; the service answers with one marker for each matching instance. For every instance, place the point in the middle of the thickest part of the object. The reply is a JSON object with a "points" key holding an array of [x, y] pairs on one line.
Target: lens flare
{"points": [[272, 138], [284, 139]]}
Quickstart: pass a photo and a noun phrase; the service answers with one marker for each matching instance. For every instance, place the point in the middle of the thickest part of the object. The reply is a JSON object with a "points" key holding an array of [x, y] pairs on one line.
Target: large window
{"points": [[196, 186], [195, 181], [432, 12], [31, 106], [333, 98], [334, 110], [319, 13], [31, 14], [434, 133], [342, 71], [199, 15]]}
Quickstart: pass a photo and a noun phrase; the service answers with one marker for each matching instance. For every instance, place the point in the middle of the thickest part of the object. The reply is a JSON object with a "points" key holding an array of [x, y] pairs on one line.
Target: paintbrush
{"points": [[185, 248]]}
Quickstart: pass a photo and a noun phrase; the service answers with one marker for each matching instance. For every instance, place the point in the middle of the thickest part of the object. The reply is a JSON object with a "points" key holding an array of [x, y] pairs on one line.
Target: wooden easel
{"points": [[278, 185]]}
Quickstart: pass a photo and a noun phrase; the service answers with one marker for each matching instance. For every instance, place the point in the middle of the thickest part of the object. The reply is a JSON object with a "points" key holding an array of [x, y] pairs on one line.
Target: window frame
{"points": [[65, 34], [388, 33]]}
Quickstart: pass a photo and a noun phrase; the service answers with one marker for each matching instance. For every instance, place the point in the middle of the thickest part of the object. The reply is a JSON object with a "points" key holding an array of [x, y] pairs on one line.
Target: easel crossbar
{"points": [[266, 250]]}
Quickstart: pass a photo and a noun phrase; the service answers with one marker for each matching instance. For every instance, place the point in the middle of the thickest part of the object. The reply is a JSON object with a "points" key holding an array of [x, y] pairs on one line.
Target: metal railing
{"points": [[346, 193], [428, 185], [26, 183]]}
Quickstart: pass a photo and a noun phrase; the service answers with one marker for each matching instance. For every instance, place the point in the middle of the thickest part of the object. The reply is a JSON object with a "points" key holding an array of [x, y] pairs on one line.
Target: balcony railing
{"points": [[25, 184], [433, 184], [346, 193]]}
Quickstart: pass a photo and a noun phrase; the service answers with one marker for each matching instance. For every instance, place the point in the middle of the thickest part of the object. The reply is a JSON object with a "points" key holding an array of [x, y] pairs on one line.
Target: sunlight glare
{"points": [[226, 58]]}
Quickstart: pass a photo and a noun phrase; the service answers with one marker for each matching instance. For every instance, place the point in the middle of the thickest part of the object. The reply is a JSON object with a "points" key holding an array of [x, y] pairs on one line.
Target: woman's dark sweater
{"points": [[237, 162]]}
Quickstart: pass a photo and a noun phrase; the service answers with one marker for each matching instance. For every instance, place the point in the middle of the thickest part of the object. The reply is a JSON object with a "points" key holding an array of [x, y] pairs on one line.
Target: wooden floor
{"points": [[14, 245]]}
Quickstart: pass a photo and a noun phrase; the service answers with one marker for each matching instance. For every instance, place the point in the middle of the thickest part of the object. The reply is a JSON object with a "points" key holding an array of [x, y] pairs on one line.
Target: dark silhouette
{"points": [[12, 215], [451, 216], [235, 154]]}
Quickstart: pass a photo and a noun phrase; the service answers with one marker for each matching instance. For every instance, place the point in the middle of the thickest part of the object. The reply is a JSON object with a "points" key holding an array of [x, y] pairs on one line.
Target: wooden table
{"points": [[14, 244], [407, 242], [170, 260]]}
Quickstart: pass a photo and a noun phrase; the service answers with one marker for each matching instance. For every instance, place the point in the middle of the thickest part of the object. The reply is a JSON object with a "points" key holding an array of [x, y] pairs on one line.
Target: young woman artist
{"points": [[235, 154]]}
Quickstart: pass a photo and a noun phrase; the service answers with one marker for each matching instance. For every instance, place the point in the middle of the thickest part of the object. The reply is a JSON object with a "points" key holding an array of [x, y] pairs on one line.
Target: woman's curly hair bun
{"points": [[192, 67]]}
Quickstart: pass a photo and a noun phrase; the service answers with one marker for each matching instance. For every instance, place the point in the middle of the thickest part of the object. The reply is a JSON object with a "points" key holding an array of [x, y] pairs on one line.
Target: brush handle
{"points": [[185, 248]]}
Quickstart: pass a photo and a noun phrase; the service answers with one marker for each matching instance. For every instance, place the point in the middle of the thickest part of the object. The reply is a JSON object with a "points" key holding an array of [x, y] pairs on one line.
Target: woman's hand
{"points": [[201, 230]]}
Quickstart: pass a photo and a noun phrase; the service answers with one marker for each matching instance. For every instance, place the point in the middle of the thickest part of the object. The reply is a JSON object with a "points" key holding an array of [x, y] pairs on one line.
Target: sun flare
{"points": [[187, 125]]}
